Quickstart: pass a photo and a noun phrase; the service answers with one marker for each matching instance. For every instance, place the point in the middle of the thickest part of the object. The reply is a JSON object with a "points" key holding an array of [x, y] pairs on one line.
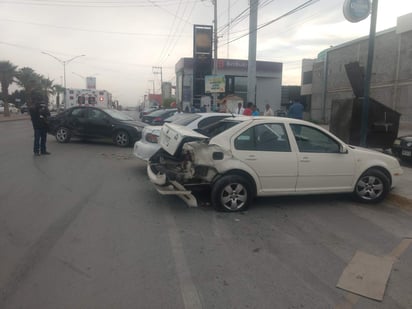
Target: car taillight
{"points": [[158, 120], [151, 138]]}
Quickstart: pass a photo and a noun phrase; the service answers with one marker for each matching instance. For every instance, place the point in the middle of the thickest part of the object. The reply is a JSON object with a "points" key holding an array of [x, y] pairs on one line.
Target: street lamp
{"points": [[64, 62]]}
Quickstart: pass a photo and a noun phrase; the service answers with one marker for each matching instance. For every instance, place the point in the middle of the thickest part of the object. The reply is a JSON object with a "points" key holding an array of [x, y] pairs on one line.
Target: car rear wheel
{"points": [[232, 193], [372, 187], [122, 139], [63, 135]]}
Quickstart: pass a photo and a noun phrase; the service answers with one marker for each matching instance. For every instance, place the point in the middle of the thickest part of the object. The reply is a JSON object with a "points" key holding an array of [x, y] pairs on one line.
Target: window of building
{"points": [[307, 77]]}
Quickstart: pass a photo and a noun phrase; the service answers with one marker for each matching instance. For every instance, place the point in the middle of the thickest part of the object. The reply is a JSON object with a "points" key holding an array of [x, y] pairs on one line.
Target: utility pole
{"points": [[251, 68], [367, 85], [214, 37]]}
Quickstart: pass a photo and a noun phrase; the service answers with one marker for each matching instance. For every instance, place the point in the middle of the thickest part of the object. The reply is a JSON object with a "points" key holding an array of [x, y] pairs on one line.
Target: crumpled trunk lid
{"points": [[173, 136]]}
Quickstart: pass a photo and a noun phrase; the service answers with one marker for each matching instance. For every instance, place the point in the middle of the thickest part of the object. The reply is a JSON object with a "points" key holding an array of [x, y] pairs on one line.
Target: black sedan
{"points": [[157, 118], [89, 122], [402, 147]]}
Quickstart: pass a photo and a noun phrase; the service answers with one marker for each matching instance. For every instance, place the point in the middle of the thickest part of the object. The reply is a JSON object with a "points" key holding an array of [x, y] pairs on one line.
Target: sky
{"points": [[123, 40]]}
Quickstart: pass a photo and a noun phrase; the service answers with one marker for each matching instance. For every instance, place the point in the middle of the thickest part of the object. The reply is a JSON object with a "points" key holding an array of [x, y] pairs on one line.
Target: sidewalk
{"points": [[401, 195], [14, 117]]}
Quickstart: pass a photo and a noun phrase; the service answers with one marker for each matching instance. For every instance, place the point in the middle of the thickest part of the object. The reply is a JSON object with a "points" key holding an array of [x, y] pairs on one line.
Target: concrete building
{"points": [[268, 81], [324, 79]]}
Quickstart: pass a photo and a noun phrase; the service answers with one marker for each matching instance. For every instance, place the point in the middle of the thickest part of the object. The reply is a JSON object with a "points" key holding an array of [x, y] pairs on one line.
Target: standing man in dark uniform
{"points": [[39, 113]]}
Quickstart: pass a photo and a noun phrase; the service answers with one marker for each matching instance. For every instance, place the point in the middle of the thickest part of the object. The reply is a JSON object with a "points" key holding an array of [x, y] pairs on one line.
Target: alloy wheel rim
{"points": [[370, 187], [61, 134], [121, 139], [233, 196]]}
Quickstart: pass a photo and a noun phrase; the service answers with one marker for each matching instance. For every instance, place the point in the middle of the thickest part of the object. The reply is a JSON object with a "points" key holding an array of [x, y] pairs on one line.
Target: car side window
{"points": [[264, 137], [78, 113], [95, 114], [310, 139]]}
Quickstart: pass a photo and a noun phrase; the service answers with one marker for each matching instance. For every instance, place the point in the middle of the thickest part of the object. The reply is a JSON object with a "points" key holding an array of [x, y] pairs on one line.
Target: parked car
{"points": [[267, 156], [402, 147], [148, 111], [24, 108], [158, 117], [12, 108], [148, 144], [90, 122]]}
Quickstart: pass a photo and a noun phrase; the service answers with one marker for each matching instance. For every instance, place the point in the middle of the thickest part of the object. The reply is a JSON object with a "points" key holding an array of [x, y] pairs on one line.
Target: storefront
{"points": [[268, 82]]}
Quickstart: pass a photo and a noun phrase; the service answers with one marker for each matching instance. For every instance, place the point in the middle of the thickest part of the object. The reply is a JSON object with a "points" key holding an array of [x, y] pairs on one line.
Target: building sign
{"points": [[91, 82], [202, 40], [202, 59], [215, 83], [356, 10]]}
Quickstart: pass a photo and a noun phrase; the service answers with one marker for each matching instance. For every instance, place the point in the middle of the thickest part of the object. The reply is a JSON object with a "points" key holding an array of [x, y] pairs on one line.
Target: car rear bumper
{"points": [[144, 151], [166, 187]]}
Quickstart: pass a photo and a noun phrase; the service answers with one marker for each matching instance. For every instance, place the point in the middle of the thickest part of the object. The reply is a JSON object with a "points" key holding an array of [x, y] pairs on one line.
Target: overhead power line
{"points": [[293, 11]]}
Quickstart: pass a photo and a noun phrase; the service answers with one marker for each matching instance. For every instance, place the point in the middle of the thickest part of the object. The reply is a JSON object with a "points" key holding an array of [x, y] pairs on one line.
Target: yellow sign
{"points": [[215, 83]]}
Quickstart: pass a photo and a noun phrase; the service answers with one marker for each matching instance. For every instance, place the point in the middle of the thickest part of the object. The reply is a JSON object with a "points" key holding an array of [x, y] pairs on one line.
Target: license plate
{"points": [[407, 153]]}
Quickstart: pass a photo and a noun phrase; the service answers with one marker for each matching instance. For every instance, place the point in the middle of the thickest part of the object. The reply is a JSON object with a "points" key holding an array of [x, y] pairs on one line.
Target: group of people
{"points": [[295, 110]]}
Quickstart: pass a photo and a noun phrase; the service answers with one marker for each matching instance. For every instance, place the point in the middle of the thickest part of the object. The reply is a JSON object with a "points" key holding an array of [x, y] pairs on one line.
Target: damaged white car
{"points": [[267, 156]]}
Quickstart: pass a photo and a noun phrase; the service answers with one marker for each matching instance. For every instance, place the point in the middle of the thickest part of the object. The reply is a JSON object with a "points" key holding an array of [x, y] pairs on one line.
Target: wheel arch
{"points": [[381, 169], [238, 172]]}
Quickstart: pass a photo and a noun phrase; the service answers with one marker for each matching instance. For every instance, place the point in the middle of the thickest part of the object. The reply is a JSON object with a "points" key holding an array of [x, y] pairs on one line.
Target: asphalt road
{"points": [[83, 228]]}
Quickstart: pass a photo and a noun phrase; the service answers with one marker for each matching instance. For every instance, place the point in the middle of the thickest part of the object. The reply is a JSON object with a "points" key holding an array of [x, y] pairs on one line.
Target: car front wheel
{"points": [[63, 135], [121, 138], [372, 186], [232, 193]]}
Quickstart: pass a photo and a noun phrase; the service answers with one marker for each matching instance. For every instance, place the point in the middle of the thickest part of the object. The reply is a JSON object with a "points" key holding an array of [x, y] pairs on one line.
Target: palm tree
{"points": [[58, 89], [7, 74], [46, 86], [29, 81]]}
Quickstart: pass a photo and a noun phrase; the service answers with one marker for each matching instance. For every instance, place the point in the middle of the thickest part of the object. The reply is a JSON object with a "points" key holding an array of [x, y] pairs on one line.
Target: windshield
{"points": [[118, 115]]}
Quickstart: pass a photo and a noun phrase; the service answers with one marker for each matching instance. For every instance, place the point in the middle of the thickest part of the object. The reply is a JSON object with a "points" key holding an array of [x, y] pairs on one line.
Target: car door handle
{"points": [[305, 159], [251, 158]]}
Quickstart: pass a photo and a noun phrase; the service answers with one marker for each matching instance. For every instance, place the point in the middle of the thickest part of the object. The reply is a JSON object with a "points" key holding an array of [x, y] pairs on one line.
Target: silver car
{"points": [[148, 144]]}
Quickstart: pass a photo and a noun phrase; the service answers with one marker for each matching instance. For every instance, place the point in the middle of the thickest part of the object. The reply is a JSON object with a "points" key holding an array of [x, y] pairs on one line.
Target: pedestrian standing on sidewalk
{"points": [[268, 111], [248, 110], [39, 114]]}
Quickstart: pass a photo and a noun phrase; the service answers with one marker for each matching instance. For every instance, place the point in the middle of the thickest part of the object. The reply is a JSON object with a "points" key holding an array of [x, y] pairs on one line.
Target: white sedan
{"points": [[267, 156], [147, 145]]}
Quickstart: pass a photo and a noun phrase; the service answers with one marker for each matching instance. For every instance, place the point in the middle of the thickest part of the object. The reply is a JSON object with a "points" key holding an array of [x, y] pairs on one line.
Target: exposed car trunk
{"points": [[172, 137]]}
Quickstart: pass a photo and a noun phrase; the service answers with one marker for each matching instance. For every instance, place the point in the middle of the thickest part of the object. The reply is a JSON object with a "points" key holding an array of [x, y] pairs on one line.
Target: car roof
{"points": [[162, 111]]}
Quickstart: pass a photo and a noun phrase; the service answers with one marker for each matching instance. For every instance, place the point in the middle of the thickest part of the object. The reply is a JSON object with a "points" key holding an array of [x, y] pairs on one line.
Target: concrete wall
{"points": [[268, 91], [391, 81]]}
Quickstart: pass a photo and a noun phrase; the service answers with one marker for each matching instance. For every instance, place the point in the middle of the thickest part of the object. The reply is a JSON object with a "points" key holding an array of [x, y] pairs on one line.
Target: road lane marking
{"points": [[188, 290]]}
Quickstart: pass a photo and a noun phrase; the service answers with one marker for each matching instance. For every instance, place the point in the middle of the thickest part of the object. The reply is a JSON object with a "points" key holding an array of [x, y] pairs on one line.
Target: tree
{"points": [[58, 89], [7, 74], [30, 81]]}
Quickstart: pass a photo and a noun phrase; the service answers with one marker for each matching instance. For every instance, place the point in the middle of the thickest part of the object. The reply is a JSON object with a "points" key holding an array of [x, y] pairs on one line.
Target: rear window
{"points": [[160, 112], [184, 119], [217, 127]]}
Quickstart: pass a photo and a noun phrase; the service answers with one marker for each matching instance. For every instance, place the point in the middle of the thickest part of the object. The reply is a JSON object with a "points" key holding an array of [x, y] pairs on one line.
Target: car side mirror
{"points": [[343, 149]]}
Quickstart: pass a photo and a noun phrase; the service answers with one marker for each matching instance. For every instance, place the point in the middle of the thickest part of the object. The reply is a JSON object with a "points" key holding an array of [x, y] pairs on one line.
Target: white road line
{"points": [[188, 290]]}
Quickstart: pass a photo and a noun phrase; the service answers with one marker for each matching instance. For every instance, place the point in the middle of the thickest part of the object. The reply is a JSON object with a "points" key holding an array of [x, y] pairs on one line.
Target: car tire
{"points": [[63, 135], [231, 193], [372, 187], [121, 138]]}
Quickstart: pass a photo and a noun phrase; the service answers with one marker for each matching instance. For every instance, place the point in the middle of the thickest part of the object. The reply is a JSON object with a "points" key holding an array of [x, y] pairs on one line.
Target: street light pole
{"points": [[64, 62]]}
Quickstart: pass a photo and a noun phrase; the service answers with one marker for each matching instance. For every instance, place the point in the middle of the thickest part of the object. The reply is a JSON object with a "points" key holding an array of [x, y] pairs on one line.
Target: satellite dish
{"points": [[356, 10]]}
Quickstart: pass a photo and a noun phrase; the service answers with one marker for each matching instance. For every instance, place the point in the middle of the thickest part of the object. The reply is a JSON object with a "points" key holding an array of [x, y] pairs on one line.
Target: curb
{"points": [[7, 119], [400, 201]]}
